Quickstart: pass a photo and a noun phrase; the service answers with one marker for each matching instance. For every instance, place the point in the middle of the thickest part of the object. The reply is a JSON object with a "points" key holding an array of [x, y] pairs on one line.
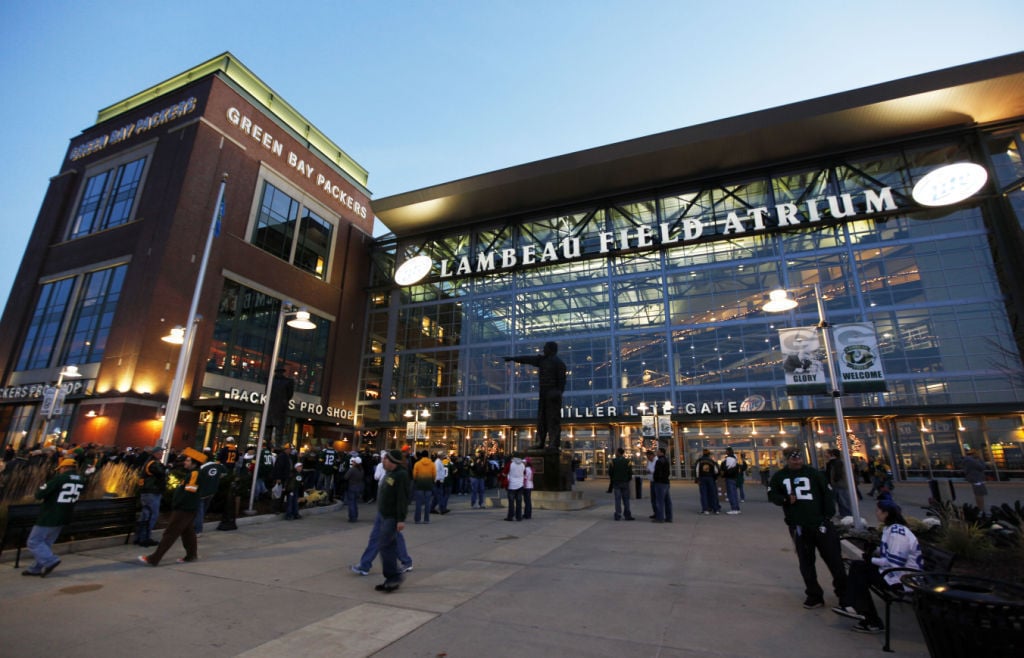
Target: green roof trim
{"points": [[229, 66]]}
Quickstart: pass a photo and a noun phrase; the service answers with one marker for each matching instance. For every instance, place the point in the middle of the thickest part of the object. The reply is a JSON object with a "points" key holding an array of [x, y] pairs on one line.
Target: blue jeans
{"points": [[621, 491], [373, 547], [352, 498], [441, 494], [148, 515], [708, 495], [423, 499], [476, 496], [40, 541], [527, 503], [732, 494], [515, 504], [200, 513], [389, 550], [662, 502]]}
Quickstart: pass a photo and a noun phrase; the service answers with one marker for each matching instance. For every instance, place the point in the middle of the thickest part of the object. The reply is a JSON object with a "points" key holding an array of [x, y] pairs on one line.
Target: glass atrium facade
{"points": [[644, 317]]}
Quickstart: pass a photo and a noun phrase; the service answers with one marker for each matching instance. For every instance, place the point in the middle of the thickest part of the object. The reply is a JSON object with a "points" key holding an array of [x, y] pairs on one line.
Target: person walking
{"points": [[621, 474], [210, 473], [730, 470], [808, 507], [59, 495], [152, 479], [974, 473], [184, 504], [707, 472], [392, 507], [662, 497], [365, 563]]}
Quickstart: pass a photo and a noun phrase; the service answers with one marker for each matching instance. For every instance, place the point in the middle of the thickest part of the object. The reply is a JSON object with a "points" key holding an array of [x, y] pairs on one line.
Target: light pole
{"points": [[419, 427], [299, 321], [187, 333], [779, 302], [70, 372]]}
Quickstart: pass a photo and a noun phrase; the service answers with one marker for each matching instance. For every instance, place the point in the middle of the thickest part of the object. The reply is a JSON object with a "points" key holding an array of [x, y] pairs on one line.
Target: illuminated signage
{"points": [[263, 135], [843, 207], [146, 123], [413, 270], [312, 408], [950, 184]]}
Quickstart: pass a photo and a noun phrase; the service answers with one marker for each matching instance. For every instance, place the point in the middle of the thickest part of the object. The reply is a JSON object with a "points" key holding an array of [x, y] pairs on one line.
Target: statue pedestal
{"points": [[551, 469]]}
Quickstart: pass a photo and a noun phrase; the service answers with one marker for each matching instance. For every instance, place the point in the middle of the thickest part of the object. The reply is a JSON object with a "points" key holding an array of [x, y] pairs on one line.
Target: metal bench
{"points": [[105, 516]]}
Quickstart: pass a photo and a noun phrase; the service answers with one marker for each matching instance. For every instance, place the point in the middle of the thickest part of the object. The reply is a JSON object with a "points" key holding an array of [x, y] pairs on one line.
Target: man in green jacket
{"points": [[392, 507], [621, 472], [59, 496], [184, 504], [807, 503]]}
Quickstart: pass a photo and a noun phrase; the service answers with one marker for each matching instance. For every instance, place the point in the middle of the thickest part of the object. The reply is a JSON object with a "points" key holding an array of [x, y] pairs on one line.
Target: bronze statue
{"points": [[551, 373]]}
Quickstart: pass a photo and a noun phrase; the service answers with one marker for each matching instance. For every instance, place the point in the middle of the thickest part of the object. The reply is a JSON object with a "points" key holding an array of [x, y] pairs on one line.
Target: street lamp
{"points": [[778, 302], [300, 320], [71, 372], [419, 427]]}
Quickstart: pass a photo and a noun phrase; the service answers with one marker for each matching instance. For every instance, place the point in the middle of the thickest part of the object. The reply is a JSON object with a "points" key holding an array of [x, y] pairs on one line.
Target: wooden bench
{"points": [[105, 516], [934, 560]]}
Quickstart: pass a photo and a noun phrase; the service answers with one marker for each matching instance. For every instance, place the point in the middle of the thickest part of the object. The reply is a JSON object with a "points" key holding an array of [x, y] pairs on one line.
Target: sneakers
{"points": [[848, 611], [706, 513], [865, 626], [405, 568], [47, 570], [186, 560], [630, 518], [733, 511], [145, 560], [357, 570], [29, 572], [386, 587], [810, 603]]}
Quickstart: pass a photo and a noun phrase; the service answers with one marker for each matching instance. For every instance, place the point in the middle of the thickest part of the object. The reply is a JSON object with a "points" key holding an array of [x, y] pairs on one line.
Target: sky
{"points": [[426, 92]]}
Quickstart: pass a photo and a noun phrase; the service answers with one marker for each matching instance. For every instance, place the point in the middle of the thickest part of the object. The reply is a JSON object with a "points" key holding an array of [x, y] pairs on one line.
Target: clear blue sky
{"points": [[426, 92]]}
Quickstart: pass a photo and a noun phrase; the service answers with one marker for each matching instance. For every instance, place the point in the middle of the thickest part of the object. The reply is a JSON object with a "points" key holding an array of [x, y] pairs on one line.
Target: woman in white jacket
{"points": [[899, 550]]}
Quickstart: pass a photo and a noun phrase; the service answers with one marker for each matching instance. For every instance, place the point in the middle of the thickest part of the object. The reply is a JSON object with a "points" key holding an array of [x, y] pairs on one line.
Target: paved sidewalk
{"points": [[561, 583]]}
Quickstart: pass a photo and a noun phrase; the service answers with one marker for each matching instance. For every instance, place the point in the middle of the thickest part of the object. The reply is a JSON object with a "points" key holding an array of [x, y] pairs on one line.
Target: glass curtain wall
{"points": [[683, 322]]}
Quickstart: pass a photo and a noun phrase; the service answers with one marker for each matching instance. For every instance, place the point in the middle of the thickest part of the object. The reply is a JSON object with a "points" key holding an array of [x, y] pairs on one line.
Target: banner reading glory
{"points": [[803, 361]]}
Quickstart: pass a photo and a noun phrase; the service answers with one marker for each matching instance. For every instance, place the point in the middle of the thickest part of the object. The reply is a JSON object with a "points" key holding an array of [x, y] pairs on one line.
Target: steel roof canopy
{"points": [[977, 93]]}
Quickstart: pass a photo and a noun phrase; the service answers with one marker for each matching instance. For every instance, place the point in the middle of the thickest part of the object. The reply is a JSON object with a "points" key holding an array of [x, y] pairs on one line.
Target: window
{"points": [[44, 328], [94, 315], [293, 232], [92, 297], [243, 341], [108, 198]]}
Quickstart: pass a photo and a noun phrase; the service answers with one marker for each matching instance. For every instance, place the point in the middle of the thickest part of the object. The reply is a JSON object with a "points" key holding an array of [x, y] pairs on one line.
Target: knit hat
{"points": [[67, 461], [790, 451], [887, 504], [395, 457]]}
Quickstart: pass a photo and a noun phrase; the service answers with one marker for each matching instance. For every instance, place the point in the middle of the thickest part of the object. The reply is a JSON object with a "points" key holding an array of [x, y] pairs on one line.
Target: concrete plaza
{"points": [[561, 583]]}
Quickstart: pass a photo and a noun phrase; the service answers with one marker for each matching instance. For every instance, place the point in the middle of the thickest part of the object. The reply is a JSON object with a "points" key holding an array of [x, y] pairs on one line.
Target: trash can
{"points": [[968, 616]]}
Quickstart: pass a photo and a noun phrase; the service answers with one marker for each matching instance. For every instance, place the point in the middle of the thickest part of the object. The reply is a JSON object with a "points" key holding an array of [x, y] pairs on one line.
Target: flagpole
{"points": [[174, 399]]}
